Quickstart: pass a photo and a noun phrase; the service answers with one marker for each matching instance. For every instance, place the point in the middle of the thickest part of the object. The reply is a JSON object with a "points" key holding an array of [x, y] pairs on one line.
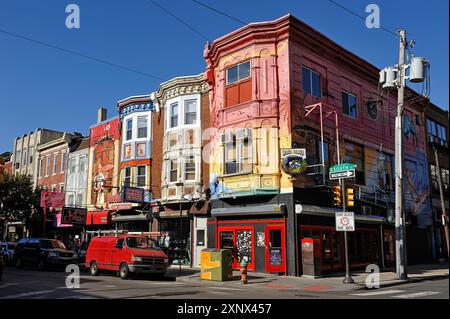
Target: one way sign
{"points": [[344, 174]]}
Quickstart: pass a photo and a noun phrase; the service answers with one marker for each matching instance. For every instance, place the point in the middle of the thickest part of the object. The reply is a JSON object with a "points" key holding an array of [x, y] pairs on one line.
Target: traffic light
{"points": [[2, 170], [337, 196], [350, 197]]}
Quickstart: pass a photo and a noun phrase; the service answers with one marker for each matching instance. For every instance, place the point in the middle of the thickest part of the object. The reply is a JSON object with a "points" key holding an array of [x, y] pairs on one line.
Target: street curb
{"points": [[397, 282]]}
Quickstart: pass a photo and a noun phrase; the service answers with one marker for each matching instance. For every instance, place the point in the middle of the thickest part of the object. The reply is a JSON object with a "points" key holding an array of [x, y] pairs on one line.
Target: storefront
{"points": [[372, 242], [256, 234]]}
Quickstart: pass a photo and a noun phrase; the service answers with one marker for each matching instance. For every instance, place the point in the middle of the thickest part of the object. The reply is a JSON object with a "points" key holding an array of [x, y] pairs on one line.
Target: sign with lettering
{"points": [[132, 195], [345, 221], [74, 216]]}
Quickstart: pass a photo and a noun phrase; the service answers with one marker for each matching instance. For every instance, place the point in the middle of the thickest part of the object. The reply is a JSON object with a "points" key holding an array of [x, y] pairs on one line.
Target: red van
{"points": [[126, 254]]}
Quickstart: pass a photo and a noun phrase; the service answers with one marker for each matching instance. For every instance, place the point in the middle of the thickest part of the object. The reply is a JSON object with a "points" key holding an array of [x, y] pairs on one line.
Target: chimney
{"points": [[102, 114]]}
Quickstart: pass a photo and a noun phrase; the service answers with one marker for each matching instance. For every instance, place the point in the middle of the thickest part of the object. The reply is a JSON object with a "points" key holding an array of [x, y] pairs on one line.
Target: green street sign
{"points": [[342, 167]]}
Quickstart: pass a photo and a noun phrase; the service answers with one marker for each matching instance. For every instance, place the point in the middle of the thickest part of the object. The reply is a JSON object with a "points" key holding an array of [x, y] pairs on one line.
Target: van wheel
{"points": [[18, 262], [124, 271], [93, 269], [41, 264]]}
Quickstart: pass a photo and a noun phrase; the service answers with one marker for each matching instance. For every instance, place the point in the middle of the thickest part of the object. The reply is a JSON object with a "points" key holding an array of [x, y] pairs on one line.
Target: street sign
{"points": [[345, 221], [345, 174], [342, 167]]}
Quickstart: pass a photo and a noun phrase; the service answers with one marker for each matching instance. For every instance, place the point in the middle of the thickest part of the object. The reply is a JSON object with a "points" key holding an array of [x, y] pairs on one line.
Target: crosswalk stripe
{"points": [[28, 294], [377, 293], [417, 295]]}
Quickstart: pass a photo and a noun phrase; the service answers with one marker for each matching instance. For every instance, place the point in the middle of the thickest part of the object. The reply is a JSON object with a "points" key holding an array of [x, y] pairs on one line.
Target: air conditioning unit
{"points": [[227, 138], [244, 133]]}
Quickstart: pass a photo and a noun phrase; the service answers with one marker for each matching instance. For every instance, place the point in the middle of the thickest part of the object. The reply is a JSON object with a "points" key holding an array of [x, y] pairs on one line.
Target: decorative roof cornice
{"points": [[194, 84]]}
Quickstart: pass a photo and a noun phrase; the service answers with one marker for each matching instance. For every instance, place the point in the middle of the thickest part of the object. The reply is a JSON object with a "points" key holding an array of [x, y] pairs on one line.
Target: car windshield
{"points": [[49, 244], [141, 242]]}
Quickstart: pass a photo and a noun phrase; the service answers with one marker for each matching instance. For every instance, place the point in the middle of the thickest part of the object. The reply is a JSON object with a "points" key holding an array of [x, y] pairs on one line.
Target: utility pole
{"points": [[441, 194], [400, 238]]}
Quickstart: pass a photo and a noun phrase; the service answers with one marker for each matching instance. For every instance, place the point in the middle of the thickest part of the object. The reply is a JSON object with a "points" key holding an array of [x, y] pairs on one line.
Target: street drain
{"points": [[176, 293]]}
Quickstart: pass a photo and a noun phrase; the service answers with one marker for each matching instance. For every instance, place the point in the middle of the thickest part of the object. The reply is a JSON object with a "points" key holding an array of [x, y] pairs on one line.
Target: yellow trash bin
{"points": [[216, 264]]}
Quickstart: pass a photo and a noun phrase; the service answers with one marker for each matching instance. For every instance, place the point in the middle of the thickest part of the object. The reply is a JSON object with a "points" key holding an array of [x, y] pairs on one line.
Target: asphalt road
{"points": [[30, 283]]}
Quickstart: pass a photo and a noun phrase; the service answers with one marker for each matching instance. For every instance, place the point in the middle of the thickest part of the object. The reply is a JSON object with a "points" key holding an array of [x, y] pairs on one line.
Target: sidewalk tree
{"points": [[16, 198]]}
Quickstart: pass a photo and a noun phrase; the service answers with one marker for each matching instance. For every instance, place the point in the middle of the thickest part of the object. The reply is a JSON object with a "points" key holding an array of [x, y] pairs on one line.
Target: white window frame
{"points": [[47, 165], [169, 169], [129, 177], [138, 127], [40, 167], [55, 164], [311, 82], [61, 185], [237, 66], [180, 100], [145, 176], [185, 162], [129, 120], [63, 161]]}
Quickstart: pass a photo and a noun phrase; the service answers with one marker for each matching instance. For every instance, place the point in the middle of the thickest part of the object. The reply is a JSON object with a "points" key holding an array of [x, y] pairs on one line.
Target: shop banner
{"points": [[132, 195], [74, 216]]}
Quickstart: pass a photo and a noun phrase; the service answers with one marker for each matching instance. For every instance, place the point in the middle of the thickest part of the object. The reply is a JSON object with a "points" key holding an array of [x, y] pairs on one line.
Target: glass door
{"points": [[240, 241]]}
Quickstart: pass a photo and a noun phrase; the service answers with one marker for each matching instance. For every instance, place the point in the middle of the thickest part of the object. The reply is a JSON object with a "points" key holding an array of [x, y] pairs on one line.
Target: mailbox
{"points": [[311, 258], [216, 264]]}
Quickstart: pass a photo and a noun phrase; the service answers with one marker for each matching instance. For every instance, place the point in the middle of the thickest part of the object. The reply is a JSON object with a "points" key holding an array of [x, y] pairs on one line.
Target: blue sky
{"points": [[43, 87]]}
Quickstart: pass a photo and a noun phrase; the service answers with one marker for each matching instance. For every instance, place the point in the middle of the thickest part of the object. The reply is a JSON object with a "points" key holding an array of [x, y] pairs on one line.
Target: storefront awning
{"points": [[331, 212], [102, 217], [249, 210], [131, 218]]}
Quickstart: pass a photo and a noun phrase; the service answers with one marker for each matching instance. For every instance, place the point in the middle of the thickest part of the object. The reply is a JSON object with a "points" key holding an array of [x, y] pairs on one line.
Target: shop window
{"points": [[189, 168], [190, 112], [200, 237], [354, 153], [129, 127], [79, 199], [142, 126], [244, 245], [173, 115], [311, 82], [227, 240], [238, 84], [349, 105], [141, 175]]}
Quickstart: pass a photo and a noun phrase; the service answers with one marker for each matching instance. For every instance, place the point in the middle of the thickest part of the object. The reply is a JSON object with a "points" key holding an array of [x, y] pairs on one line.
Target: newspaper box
{"points": [[216, 264]]}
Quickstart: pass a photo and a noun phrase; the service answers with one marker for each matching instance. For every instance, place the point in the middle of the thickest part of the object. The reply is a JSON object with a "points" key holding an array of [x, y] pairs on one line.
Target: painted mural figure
{"points": [[100, 180]]}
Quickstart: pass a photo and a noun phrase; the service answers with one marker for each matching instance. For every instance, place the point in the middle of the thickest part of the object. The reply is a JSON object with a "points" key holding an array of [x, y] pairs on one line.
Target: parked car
{"points": [[8, 251], [43, 252], [126, 254]]}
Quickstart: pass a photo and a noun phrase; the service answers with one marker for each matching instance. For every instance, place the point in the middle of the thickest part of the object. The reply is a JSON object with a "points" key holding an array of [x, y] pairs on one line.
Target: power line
{"points": [[220, 12], [52, 46], [359, 16], [180, 20]]}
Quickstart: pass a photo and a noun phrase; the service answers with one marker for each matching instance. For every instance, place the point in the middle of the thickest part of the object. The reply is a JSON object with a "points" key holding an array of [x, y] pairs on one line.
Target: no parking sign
{"points": [[345, 221]]}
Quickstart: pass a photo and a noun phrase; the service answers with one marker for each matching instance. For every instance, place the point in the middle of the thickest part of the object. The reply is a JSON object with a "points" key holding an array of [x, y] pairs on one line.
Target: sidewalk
{"points": [[332, 282]]}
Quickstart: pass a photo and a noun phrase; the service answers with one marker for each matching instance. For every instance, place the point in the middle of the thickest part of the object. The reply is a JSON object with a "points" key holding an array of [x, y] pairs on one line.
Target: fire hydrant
{"points": [[243, 271]]}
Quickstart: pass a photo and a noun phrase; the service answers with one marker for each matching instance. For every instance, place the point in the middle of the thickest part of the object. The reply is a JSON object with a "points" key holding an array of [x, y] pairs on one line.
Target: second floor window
{"points": [[349, 106], [173, 115], [190, 112], [354, 154], [25, 157], [127, 176], [436, 133], [63, 161], [189, 168], [142, 126], [311, 82], [141, 176], [82, 167], [129, 129], [47, 166], [31, 155], [55, 163], [238, 152], [173, 170], [435, 181], [40, 167], [72, 165]]}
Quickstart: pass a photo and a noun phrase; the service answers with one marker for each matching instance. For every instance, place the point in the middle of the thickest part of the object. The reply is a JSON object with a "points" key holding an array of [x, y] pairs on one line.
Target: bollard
{"points": [[243, 271]]}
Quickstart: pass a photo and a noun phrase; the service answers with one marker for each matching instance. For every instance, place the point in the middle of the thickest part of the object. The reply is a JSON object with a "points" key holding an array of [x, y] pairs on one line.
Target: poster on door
{"points": [[244, 246], [275, 257]]}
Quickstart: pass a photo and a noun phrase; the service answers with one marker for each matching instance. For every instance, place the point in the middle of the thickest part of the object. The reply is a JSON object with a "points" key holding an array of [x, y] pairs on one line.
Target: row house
{"points": [[77, 175], [437, 125], [182, 207], [25, 152], [103, 172], [263, 79], [51, 170]]}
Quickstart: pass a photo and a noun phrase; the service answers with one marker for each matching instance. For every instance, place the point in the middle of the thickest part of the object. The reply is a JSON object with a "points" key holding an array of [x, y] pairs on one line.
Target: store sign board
{"points": [[132, 195], [74, 216], [345, 221]]}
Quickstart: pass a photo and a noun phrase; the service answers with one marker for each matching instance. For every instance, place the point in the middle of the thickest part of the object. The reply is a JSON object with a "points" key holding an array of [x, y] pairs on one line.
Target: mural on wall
{"points": [[103, 140]]}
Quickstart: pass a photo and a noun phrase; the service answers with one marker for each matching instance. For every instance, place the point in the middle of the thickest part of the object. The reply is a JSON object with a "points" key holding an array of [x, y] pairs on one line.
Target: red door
{"points": [[240, 241], [275, 245]]}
